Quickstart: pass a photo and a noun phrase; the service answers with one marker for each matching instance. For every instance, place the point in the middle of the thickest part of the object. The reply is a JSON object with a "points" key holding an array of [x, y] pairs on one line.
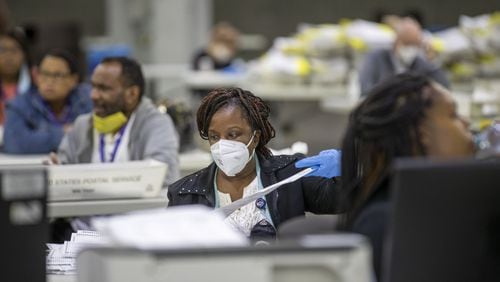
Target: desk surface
{"points": [[101, 207], [8, 159], [279, 92], [191, 160], [339, 104], [267, 91], [194, 160], [213, 79], [61, 278]]}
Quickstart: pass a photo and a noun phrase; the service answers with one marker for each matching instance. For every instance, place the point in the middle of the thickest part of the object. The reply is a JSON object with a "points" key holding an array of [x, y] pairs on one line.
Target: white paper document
{"points": [[190, 226], [61, 257], [229, 209], [135, 179]]}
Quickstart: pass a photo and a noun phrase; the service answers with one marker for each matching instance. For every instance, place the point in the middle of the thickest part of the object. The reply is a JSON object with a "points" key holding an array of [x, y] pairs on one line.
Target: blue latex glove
{"points": [[326, 164]]}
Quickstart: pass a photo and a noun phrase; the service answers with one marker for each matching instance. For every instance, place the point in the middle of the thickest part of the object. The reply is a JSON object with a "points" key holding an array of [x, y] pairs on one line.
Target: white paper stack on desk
{"points": [[136, 179], [61, 257]]}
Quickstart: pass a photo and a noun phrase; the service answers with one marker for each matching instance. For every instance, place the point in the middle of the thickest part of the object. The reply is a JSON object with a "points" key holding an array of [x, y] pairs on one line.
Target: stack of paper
{"points": [[61, 257], [179, 227]]}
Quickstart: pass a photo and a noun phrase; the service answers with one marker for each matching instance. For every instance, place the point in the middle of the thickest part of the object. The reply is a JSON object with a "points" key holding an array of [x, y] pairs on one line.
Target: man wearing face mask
{"points": [[124, 125], [406, 55], [220, 51]]}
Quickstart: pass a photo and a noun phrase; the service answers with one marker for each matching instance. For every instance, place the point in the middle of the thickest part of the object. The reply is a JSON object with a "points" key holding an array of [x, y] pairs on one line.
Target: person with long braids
{"points": [[406, 116], [235, 123]]}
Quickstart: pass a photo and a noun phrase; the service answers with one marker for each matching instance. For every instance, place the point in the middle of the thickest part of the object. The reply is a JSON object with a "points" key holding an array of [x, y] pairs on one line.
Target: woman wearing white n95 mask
{"points": [[231, 156], [235, 123]]}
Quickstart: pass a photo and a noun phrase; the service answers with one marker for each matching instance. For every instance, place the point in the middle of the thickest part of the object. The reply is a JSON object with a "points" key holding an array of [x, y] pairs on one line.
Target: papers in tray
{"points": [[61, 257], [136, 179], [179, 227]]}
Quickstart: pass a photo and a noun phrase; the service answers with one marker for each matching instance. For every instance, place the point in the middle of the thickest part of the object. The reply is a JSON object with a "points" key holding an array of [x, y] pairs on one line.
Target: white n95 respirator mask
{"points": [[231, 156], [408, 54]]}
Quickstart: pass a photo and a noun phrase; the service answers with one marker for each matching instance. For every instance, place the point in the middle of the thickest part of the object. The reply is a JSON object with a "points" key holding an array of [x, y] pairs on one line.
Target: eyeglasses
{"points": [[54, 75]]}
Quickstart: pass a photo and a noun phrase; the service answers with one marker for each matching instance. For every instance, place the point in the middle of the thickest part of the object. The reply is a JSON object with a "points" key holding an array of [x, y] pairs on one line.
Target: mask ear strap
{"points": [[250, 142], [251, 139]]}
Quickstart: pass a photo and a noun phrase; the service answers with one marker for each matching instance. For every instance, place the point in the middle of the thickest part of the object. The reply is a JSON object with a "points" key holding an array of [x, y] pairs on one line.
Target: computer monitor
{"points": [[23, 223], [445, 223]]}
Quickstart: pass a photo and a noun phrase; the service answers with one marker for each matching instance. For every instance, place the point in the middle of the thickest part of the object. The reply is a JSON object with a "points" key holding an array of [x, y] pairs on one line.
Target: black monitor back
{"points": [[445, 223], [23, 223]]}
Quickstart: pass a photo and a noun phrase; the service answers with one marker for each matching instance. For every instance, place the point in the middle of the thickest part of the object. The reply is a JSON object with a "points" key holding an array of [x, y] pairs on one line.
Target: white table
{"points": [[297, 92], [194, 160], [13, 160], [213, 79], [265, 90], [188, 161], [61, 278], [102, 207], [340, 104]]}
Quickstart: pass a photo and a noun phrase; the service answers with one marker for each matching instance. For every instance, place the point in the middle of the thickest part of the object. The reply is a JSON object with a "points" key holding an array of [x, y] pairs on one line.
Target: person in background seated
{"points": [[406, 116], [407, 54], [15, 77], [220, 50], [236, 124], [36, 122], [4, 16], [124, 125]]}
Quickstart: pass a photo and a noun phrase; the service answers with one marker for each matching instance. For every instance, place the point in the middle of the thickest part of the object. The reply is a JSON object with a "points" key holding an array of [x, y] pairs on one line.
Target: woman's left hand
{"points": [[325, 164]]}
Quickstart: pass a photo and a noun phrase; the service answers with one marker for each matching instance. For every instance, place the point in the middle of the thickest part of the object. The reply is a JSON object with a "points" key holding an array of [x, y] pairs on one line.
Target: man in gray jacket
{"points": [[405, 56], [124, 125]]}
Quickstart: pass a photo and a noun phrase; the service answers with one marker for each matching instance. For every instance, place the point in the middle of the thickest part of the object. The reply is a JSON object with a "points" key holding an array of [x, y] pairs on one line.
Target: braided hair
{"points": [[254, 109], [383, 127]]}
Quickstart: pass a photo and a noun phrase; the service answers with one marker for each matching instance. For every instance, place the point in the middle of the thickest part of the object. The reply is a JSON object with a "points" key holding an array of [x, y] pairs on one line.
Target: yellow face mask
{"points": [[109, 124]]}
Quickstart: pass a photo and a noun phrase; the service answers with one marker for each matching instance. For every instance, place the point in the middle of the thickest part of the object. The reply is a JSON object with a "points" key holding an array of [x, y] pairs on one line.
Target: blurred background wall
{"points": [[272, 18], [168, 32], [89, 14], [280, 17], [193, 18]]}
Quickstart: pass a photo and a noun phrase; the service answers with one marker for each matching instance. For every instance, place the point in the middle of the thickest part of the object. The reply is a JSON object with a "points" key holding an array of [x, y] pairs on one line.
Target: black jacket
{"points": [[313, 194]]}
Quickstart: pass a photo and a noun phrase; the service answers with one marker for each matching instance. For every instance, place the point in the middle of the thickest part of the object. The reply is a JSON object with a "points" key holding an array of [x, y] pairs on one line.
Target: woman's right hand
{"points": [[53, 159]]}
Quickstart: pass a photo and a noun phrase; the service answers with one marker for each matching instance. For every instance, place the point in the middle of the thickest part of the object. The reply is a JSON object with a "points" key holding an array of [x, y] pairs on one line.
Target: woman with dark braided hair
{"points": [[236, 124], [406, 116]]}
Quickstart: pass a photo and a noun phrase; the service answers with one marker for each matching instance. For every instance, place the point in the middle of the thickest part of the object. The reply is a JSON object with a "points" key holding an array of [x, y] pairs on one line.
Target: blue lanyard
{"points": [[115, 148]]}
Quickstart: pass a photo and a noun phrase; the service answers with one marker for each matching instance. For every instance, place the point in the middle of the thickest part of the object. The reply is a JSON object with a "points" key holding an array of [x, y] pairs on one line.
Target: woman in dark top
{"points": [[15, 76], [406, 116], [235, 123]]}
